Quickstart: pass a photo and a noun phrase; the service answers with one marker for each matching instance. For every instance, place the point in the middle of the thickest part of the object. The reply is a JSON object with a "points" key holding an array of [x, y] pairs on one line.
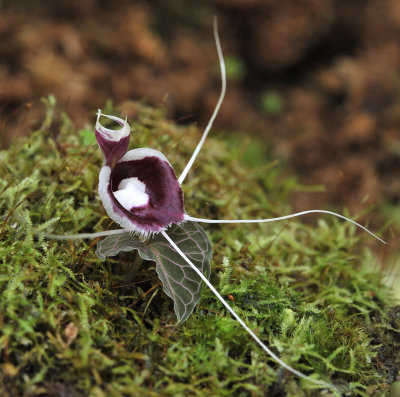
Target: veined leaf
{"points": [[180, 281]]}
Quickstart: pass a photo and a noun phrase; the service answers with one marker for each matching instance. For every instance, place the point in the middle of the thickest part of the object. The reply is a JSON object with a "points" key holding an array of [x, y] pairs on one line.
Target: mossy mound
{"points": [[73, 325]]}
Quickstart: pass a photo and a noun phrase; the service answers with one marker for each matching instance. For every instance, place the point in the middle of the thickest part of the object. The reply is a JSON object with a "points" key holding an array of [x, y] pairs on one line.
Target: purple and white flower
{"points": [[138, 188]]}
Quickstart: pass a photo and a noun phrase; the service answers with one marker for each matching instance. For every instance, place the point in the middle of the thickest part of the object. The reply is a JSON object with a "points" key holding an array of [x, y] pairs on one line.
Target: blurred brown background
{"points": [[319, 79]]}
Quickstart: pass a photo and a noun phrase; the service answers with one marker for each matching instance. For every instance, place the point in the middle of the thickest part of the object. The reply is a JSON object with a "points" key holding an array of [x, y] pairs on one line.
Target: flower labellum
{"points": [[138, 188]]}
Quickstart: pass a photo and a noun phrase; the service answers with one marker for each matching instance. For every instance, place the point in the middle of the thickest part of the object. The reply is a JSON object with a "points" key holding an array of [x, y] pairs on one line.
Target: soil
{"points": [[319, 79]]}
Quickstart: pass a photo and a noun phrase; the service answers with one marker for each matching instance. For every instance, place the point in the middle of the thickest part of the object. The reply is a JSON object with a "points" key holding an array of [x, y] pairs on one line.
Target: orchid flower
{"points": [[141, 193], [138, 188]]}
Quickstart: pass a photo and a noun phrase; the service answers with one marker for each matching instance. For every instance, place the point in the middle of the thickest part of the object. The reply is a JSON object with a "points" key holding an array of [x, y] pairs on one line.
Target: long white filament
{"points": [[241, 322], [280, 218], [216, 110], [82, 235]]}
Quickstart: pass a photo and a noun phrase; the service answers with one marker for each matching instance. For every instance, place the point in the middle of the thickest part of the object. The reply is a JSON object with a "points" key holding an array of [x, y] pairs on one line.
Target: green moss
{"points": [[74, 325]]}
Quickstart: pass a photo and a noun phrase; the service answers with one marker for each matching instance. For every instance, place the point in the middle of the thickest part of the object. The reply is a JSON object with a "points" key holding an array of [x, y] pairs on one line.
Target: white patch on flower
{"points": [[131, 193], [107, 200], [141, 153]]}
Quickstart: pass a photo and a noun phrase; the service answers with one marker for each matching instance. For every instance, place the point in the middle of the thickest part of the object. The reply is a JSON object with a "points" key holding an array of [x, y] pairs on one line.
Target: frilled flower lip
{"points": [[113, 143], [148, 171], [109, 134]]}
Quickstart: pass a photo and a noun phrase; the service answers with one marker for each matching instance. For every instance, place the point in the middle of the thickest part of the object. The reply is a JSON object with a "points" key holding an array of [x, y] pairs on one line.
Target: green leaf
{"points": [[87, 137], [180, 281], [235, 67], [272, 103]]}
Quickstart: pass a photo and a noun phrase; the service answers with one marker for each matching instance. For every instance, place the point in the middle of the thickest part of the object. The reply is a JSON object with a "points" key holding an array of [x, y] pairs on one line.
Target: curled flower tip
{"points": [[113, 143]]}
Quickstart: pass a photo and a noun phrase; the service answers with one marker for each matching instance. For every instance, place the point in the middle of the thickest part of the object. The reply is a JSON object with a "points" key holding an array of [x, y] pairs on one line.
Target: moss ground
{"points": [[73, 325]]}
